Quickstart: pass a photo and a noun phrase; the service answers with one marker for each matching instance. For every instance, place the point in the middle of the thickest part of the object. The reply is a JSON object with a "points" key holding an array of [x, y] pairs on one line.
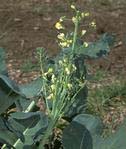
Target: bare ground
{"points": [[26, 25]]}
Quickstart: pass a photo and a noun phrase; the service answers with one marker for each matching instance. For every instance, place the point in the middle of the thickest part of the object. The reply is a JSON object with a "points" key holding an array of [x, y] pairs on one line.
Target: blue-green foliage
{"points": [[92, 128], [28, 127]]}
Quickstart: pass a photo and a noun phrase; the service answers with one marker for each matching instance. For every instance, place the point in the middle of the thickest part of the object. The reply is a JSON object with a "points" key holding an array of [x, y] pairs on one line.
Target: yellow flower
{"points": [[67, 71], [53, 87], [86, 14], [74, 67], [53, 79], [61, 36], [82, 14], [68, 45], [50, 70], [86, 44], [62, 18], [69, 85], [59, 26], [69, 41], [74, 19], [45, 74], [83, 32], [63, 44], [73, 7], [50, 96]]}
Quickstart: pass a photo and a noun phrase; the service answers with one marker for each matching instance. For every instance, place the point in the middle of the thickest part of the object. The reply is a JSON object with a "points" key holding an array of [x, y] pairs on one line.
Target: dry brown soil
{"points": [[27, 24]]}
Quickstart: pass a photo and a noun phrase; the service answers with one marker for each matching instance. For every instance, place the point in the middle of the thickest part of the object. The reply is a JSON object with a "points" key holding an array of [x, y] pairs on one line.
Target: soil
{"points": [[26, 25]]}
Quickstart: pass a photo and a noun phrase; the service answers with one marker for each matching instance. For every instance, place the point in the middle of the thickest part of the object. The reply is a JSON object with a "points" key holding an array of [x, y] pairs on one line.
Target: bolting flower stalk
{"points": [[76, 22]]}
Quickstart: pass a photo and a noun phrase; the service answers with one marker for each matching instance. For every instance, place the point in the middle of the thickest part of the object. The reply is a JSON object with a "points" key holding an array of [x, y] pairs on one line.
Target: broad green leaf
{"points": [[5, 144], [79, 104], [2, 62], [93, 124], [6, 136], [16, 128], [33, 125], [6, 100], [9, 93], [76, 136], [32, 89], [8, 85], [95, 127], [23, 115], [22, 104], [97, 49]]}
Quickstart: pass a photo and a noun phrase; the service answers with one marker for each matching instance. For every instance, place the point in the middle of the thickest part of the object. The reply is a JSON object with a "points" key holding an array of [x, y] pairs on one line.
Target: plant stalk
{"points": [[48, 133], [75, 33]]}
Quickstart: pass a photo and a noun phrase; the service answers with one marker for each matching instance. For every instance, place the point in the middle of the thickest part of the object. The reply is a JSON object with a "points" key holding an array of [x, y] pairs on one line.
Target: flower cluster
{"points": [[59, 26], [64, 41], [66, 67], [67, 41], [79, 16]]}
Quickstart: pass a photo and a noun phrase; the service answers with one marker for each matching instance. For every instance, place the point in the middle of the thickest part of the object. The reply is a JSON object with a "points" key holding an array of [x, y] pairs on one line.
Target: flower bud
{"points": [[85, 44], [59, 26], [83, 32], [74, 19], [61, 36], [53, 78], [50, 96], [87, 14], [73, 7], [50, 70], [60, 62], [53, 87], [67, 71], [69, 85]]}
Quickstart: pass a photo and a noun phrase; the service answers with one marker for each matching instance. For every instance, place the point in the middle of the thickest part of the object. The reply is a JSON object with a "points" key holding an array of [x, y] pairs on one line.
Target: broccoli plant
{"points": [[50, 111]]}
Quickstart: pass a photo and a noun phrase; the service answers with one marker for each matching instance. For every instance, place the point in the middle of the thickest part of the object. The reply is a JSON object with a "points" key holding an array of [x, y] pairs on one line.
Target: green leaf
{"points": [[2, 62], [76, 136], [6, 100], [23, 103], [97, 49], [79, 104], [33, 125], [95, 127], [93, 124], [9, 85], [6, 136], [9, 92], [81, 71], [32, 89]]}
